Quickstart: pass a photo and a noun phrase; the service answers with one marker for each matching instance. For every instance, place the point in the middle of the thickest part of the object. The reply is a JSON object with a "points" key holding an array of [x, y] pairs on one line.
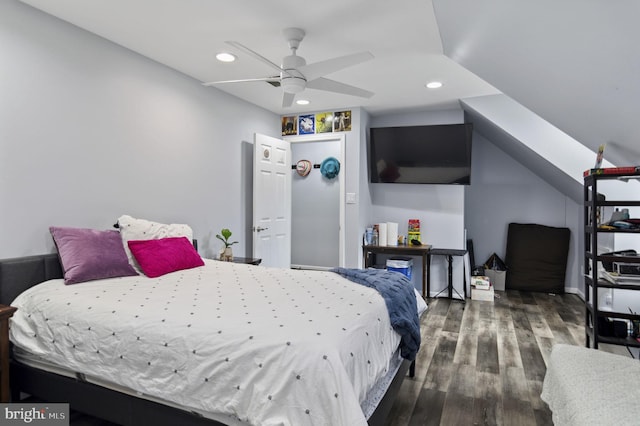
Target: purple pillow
{"points": [[89, 254], [164, 255]]}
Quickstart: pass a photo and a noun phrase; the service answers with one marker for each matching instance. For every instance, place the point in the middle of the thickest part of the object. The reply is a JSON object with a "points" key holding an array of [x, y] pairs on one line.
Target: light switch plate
{"points": [[351, 198]]}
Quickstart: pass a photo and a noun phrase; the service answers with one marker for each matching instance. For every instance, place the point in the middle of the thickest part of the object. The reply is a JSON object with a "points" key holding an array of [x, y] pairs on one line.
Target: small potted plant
{"points": [[226, 253]]}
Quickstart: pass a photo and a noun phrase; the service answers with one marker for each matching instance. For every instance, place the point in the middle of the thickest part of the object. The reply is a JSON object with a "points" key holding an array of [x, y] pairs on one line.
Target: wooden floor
{"points": [[483, 363]]}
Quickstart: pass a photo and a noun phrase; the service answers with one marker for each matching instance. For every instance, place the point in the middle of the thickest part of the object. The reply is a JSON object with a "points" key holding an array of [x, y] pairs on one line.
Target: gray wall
{"points": [[353, 184], [351, 171], [440, 208], [90, 131], [315, 207], [502, 191]]}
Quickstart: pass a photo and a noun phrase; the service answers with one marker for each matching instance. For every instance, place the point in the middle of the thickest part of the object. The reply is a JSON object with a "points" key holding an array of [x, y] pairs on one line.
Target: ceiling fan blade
{"points": [[337, 87], [287, 99], [244, 80], [256, 55], [322, 68]]}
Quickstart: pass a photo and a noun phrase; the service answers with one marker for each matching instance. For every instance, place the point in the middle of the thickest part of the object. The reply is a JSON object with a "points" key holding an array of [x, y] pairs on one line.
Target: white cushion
{"points": [[142, 229]]}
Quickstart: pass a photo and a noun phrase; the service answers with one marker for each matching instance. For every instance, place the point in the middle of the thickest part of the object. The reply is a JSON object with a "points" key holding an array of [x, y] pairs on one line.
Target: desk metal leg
{"points": [[464, 279], [428, 272], [450, 289], [450, 260]]}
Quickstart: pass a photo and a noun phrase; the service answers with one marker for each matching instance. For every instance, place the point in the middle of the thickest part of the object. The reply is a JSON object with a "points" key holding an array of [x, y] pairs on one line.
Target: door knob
{"points": [[258, 229]]}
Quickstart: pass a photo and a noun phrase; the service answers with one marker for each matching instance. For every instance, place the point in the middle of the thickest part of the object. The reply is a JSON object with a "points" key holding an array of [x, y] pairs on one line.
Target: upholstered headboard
{"points": [[21, 273]]}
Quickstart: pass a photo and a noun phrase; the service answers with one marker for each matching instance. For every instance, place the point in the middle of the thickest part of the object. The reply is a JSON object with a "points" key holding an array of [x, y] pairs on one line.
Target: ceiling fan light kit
{"points": [[295, 75]]}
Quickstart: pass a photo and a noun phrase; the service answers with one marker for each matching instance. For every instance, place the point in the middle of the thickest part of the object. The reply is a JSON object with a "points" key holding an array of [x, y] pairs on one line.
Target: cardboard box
{"points": [[484, 295], [481, 282], [497, 278]]}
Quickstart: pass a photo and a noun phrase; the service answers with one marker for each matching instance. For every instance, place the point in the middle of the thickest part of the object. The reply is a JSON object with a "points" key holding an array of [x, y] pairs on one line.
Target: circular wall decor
{"points": [[303, 167], [330, 167]]}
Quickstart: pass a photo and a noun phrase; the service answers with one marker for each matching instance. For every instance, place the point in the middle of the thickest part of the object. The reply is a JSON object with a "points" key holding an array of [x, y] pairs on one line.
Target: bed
{"points": [[222, 343]]}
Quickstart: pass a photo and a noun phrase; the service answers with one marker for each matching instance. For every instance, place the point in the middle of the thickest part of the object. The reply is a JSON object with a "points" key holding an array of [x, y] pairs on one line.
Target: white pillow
{"points": [[141, 229]]}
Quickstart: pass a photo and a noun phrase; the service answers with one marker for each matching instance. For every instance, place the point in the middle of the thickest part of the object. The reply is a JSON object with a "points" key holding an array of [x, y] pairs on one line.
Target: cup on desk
{"points": [[368, 236]]}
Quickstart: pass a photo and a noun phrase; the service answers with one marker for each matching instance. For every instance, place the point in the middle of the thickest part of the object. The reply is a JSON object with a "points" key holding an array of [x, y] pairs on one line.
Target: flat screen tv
{"points": [[439, 154]]}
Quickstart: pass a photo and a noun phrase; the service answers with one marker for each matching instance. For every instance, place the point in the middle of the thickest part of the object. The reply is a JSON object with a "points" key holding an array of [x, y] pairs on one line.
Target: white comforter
{"points": [[264, 346]]}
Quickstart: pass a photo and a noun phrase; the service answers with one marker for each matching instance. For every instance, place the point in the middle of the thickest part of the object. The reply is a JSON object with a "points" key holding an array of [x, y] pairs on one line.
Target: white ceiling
{"points": [[575, 63], [185, 35]]}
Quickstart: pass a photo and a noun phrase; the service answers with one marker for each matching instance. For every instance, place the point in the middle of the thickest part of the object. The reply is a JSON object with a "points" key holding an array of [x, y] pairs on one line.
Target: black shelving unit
{"points": [[593, 203]]}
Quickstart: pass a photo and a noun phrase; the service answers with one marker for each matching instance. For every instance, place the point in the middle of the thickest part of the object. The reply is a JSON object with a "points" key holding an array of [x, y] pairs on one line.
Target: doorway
{"points": [[317, 204]]}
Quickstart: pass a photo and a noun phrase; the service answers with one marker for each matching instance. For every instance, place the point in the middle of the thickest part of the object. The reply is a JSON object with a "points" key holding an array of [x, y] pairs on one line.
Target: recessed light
{"points": [[302, 102], [434, 84], [225, 57]]}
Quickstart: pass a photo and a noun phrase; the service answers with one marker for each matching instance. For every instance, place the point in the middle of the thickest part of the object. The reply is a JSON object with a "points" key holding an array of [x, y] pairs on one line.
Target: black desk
{"points": [[406, 250], [449, 253]]}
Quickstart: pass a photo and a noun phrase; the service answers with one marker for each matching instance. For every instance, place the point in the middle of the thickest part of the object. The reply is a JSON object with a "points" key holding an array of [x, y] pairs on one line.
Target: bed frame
{"points": [[19, 274]]}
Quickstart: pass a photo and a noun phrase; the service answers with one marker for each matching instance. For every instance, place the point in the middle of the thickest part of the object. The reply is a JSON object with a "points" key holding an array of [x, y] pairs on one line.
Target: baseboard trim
{"points": [[575, 291]]}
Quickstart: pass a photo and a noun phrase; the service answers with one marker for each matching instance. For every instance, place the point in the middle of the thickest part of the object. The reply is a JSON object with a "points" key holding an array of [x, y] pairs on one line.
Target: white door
{"points": [[272, 201]]}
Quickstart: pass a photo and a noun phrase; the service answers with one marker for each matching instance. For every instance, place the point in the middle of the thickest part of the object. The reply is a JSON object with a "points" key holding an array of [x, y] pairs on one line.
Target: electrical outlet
{"points": [[608, 299]]}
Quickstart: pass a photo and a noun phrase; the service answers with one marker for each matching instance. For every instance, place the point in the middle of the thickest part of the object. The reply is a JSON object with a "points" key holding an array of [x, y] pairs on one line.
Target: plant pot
{"points": [[226, 254]]}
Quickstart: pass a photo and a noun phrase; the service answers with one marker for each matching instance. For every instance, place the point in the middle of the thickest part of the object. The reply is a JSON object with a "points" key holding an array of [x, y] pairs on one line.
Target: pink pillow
{"points": [[164, 255], [90, 254]]}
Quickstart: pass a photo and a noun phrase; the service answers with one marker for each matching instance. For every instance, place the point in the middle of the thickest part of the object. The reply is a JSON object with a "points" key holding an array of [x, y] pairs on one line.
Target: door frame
{"points": [[327, 137]]}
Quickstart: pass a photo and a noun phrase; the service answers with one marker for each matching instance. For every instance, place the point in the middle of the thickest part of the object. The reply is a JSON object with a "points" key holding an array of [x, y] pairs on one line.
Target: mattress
{"points": [[255, 345], [369, 405]]}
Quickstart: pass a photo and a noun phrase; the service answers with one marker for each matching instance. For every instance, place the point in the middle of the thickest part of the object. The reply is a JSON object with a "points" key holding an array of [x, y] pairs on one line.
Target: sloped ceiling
{"points": [[575, 63]]}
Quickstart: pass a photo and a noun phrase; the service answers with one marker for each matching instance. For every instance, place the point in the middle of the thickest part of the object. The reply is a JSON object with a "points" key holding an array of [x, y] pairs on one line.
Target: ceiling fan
{"points": [[295, 75]]}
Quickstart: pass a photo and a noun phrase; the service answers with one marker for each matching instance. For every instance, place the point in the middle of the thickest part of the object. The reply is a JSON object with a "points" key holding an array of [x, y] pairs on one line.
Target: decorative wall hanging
{"points": [[303, 167], [342, 121], [306, 124], [330, 168], [324, 122], [290, 125]]}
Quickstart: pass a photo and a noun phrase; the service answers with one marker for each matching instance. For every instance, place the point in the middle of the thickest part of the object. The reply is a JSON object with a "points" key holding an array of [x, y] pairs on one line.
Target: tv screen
{"points": [[439, 154]]}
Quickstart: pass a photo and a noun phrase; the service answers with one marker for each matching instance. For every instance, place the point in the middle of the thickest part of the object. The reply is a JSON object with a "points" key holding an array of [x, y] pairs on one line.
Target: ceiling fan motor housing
{"points": [[292, 81]]}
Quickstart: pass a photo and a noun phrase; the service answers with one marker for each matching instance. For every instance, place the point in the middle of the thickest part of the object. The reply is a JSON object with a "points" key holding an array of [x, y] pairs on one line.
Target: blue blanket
{"points": [[400, 298]]}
